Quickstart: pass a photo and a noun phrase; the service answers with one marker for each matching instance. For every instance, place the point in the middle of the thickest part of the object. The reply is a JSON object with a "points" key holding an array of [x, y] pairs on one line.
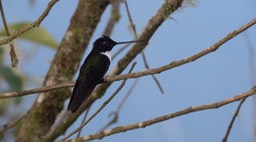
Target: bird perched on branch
{"points": [[93, 70]]}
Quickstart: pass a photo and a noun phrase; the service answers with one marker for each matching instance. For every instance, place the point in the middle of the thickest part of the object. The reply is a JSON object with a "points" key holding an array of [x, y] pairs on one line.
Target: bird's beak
{"points": [[125, 42]]}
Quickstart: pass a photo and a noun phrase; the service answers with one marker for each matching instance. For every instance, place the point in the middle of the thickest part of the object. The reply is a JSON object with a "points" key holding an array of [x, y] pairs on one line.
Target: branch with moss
{"points": [[48, 105], [169, 66], [168, 7]]}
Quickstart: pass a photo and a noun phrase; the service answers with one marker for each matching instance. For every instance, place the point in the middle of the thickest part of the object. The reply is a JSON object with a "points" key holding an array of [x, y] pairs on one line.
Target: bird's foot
{"points": [[102, 80]]}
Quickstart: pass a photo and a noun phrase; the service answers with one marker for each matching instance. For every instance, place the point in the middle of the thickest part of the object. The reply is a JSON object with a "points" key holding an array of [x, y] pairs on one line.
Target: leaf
{"points": [[37, 35], [14, 81]]}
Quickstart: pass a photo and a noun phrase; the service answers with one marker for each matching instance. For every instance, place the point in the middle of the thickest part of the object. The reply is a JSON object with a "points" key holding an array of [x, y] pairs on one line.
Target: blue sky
{"points": [[212, 78]]}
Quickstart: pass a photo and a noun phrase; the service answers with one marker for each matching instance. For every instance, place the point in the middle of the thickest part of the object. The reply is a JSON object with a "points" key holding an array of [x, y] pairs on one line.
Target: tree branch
{"points": [[82, 122], [101, 107], [142, 52], [173, 64], [166, 9], [11, 124], [13, 55], [116, 112], [28, 27], [36, 90], [114, 17], [225, 139], [64, 65], [192, 58], [144, 124]]}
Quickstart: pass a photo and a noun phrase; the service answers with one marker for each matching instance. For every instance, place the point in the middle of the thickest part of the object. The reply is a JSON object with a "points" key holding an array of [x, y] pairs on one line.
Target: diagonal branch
{"points": [[142, 52], [166, 9], [136, 50], [101, 107], [36, 90], [156, 120], [153, 76], [64, 65], [173, 64], [116, 112], [114, 17], [11, 123], [225, 139], [13, 55], [28, 27], [84, 118]]}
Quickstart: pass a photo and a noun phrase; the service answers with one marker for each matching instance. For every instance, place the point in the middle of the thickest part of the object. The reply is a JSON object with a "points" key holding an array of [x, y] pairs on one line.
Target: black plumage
{"points": [[92, 71]]}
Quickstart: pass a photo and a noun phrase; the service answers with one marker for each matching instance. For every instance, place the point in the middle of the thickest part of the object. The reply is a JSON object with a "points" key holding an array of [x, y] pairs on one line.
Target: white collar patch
{"points": [[107, 53]]}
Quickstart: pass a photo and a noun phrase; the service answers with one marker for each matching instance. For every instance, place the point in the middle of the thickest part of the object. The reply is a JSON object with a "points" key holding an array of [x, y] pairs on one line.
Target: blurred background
{"points": [[191, 29]]}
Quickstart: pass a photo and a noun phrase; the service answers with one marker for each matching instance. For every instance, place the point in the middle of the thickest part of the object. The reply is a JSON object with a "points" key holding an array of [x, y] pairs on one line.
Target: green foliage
{"points": [[14, 81], [8, 75], [37, 35]]}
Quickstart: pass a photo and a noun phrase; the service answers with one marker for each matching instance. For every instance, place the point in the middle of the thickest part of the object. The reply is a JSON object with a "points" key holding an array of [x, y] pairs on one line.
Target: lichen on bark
{"points": [[47, 106]]}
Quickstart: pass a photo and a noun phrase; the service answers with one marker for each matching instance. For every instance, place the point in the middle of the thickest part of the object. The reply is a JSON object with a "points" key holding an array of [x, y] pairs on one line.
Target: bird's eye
{"points": [[105, 43]]}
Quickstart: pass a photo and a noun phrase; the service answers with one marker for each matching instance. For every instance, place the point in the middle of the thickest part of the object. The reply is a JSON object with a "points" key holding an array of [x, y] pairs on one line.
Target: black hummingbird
{"points": [[93, 70]]}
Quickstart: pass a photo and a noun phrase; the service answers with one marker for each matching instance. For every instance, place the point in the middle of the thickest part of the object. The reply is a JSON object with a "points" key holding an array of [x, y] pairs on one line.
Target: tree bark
{"points": [[66, 61], [154, 23]]}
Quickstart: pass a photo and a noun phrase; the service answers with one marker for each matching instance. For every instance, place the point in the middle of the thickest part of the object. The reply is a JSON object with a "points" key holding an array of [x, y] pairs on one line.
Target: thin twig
{"points": [[101, 107], [225, 139], [192, 58], [127, 95], [142, 52], [144, 124], [111, 122], [13, 55], [154, 77], [114, 17], [82, 25], [36, 90], [11, 124], [30, 26], [84, 118], [120, 50], [62, 119], [169, 66], [116, 113], [251, 57], [4, 19], [168, 7], [130, 19], [252, 72]]}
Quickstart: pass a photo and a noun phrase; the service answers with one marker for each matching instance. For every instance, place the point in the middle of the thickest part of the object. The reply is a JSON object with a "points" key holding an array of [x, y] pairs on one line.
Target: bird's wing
{"points": [[89, 77]]}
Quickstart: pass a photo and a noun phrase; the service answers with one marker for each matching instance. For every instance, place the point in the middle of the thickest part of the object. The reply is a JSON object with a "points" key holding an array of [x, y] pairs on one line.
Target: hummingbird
{"points": [[93, 70]]}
